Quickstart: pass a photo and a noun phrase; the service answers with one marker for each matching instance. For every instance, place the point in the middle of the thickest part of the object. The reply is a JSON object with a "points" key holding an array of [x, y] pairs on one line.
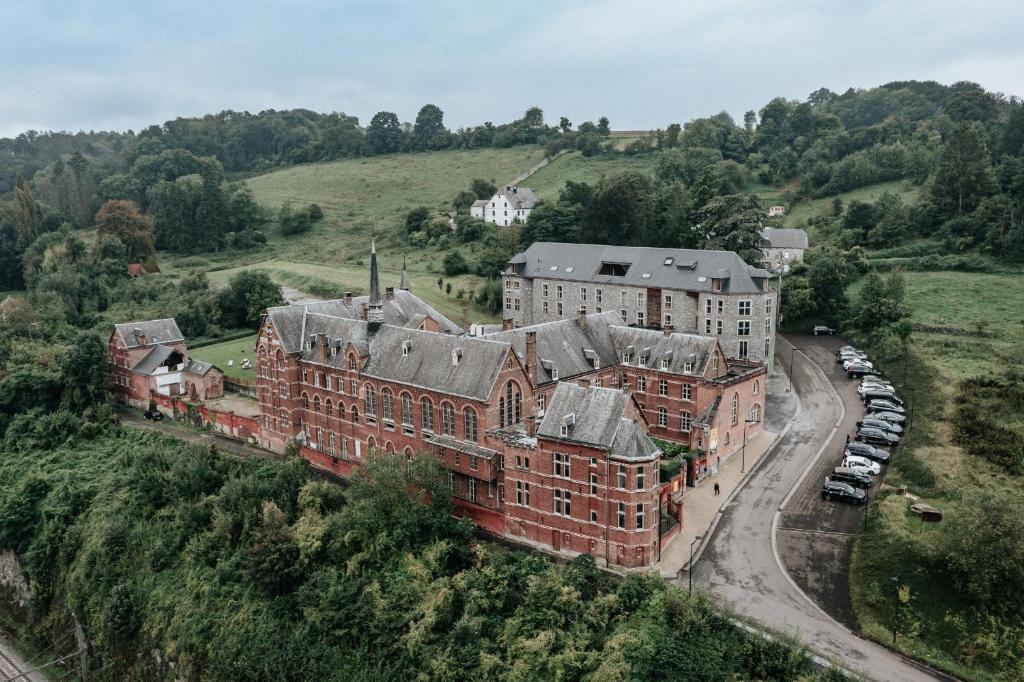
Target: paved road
{"points": [[741, 567]]}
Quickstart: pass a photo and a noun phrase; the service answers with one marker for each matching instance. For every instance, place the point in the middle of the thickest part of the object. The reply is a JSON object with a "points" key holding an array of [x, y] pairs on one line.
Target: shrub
{"points": [[455, 264]]}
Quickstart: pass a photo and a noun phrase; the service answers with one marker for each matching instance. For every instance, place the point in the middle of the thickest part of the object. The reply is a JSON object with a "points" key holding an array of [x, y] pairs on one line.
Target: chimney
{"points": [[389, 293], [456, 357], [348, 297], [507, 325], [667, 330], [581, 316], [531, 425], [465, 316], [321, 346], [141, 335], [531, 356]]}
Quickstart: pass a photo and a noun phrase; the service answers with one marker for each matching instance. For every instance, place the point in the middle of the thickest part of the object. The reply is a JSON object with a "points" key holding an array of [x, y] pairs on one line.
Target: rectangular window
{"points": [[743, 328], [472, 490], [707, 306], [668, 300], [597, 295], [559, 309], [707, 325], [508, 303], [767, 348], [515, 304], [451, 482], [721, 306], [662, 417], [558, 291], [667, 322], [768, 326], [620, 515], [744, 308], [622, 298], [641, 478], [353, 388], [583, 293], [622, 314], [743, 350], [508, 284], [561, 465], [474, 462], [687, 392], [640, 318], [544, 290], [640, 517], [593, 484], [718, 326], [593, 516], [663, 387], [641, 383], [544, 307], [768, 306], [686, 420], [540, 403], [622, 476]]}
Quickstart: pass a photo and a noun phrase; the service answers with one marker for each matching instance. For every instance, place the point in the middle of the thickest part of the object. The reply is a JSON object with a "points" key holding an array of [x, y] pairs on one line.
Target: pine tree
{"points": [[212, 213], [26, 216]]}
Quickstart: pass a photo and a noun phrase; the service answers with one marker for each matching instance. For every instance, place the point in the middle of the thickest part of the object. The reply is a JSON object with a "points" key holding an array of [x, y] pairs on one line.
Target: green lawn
{"points": [[549, 181], [355, 278], [798, 213], [220, 354]]}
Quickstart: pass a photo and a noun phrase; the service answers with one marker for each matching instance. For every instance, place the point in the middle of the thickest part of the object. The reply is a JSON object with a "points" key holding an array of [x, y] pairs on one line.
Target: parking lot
{"points": [[815, 536]]}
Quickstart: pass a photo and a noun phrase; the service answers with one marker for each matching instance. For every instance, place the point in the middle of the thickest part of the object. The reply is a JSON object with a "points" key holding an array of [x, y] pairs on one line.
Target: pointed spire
{"points": [[404, 285], [374, 309]]}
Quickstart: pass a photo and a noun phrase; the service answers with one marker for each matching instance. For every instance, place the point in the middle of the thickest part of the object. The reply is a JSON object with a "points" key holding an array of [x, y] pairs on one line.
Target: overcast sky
{"points": [[111, 64]]}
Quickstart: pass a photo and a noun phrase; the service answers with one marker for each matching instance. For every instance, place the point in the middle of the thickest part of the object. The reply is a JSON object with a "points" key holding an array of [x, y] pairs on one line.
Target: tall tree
{"points": [[964, 173], [733, 223], [429, 132], [26, 215], [385, 134], [121, 219], [212, 213], [84, 373]]}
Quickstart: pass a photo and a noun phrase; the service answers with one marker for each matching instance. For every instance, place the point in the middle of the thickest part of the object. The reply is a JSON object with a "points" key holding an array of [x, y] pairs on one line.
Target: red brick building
{"points": [[151, 357], [566, 466]]}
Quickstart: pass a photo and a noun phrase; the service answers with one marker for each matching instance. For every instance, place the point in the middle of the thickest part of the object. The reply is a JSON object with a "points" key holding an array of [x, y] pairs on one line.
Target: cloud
{"points": [[646, 63]]}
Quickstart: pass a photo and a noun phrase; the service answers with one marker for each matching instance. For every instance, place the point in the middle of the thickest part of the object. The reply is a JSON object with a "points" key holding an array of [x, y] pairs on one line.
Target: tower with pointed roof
{"points": [[374, 307], [404, 284]]}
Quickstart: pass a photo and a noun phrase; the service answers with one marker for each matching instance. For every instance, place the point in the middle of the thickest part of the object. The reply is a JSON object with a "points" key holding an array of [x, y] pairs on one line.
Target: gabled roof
{"points": [[155, 331], [480, 203], [518, 197], [685, 269], [156, 357], [596, 417], [785, 238], [198, 367], [677, 349]]}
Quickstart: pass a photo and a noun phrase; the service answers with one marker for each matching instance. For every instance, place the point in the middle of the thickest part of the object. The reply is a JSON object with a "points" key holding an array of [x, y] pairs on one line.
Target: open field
{"points": [[933, 468], [799, 212], [220, 354], [355, 278], [550, 180], [370, 197]]}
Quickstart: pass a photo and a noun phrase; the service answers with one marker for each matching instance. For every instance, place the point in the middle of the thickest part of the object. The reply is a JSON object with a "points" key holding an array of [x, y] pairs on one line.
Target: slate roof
{"points": [[518, 197], [198, 367], [780, 238], [597, 420], [481, 203], [684, 269], [156, 331], [677, 348], [154, 358]]}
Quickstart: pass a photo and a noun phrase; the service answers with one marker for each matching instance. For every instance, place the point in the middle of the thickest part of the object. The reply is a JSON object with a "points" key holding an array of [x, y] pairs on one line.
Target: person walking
{"points": [[718, 489]]}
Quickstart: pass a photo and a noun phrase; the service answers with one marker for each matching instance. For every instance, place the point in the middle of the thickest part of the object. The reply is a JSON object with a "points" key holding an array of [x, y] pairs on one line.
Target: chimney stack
{"points": [[507, 325], [321, 346], [389, 293], [667, 329], [347, 296], [531, 356]]}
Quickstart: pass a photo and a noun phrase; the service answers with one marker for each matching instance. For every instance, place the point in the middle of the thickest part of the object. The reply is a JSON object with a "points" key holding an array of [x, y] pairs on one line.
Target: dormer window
{"points": [[456, 357], [554, 374], [563, 430], [669, 261], [406, 347], [626, 357], [688, 367], [664, 363], [641, 361], [597, 363]]}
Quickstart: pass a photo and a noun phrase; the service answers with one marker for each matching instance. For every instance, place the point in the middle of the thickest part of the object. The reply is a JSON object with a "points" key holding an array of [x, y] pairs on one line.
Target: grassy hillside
{"points": [[220, 353], [367, 196], [938, 472], [550, 180]]}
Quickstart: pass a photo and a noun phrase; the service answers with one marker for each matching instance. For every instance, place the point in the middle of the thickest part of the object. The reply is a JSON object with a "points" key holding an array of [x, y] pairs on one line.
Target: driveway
{"points": [[741, 566]]}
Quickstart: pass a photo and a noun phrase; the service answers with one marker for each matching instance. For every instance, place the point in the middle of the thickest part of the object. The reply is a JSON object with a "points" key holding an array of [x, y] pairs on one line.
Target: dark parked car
{"points": [[837, 490], [880, 394], [854, 371], [885, 415], [822, 330], [885, 406], [865, 450], [874, 436], [154, 415], [858, 479], [881, 424]]}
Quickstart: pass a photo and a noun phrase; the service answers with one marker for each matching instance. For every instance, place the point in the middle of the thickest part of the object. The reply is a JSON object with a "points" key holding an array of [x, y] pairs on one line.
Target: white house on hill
{"points": [[510, 205], [782, 247]]}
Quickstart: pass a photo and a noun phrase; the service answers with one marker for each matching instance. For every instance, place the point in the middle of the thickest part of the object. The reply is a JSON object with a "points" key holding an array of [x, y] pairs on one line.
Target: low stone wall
{"points": [[238, 385], [228, 423]]}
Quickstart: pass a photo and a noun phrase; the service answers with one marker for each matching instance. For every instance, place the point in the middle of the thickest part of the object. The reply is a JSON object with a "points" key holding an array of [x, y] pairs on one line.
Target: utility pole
{"points": [[83, 646]]}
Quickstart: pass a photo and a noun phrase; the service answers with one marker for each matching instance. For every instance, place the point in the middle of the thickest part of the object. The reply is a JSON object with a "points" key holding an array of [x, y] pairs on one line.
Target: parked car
{"points": [[837, 490], [822, 330], [891, 417], [862, 464], [860, 449], [869, 434], [858, 479], [886, 406], [847, 364], [846, 349], [855, 371], [153, 415], [881, 424], [851, 355], [875, 381], [880, 394]]}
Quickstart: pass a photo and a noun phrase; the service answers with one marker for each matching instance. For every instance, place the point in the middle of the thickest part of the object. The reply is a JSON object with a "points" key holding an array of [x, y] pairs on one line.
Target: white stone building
{"points": [[511, 204], [782, 247]]}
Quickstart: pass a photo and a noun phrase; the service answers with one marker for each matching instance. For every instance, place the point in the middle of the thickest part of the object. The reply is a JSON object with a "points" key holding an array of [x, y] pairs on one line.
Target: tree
{"points": [[385, 134], [964, 175], [603, 127], [455, 264], [272, 559], [416, 219], [121, 219], [429, 132], [212, 213], [293, 221], [247, 296], [551, 222], [671, 139], [26, 216], [483, 189], [618, 212], [564, 124], [732, 223], [84, 374]]}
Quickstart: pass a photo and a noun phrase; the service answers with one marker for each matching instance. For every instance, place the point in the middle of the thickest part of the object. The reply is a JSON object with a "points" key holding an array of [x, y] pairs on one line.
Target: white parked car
{"points": [[857, 361], [881, 385], [862, 464]]}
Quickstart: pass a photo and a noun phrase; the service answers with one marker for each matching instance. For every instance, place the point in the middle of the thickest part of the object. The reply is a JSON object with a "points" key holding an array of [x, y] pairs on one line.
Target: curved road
{"points": [[741, 565]]}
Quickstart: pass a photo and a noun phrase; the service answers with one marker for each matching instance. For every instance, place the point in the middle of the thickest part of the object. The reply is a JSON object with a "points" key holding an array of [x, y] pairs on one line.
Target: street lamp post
{"points": [[896, 612], [792, 350], [867, 505], [690, 569], [743, 452]]}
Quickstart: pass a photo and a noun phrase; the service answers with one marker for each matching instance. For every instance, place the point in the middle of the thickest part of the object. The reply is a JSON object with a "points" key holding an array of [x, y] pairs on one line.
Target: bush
{"points": [[315, 212], [455, 264]]}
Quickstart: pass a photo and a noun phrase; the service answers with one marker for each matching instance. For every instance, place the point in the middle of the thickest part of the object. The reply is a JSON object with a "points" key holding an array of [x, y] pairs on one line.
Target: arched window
{"points": [[469, 424], [316, 403], [427, 414], [355, 414], [447, 419], [662, 416], [329, 408], [371, 446], [406, 410], [282, 389], [510, 406], [389, 448], [735, 412], [370, 401], [351, 362], [305, 401], [280, 360], [755, 413], [757, 387], [388, 404]]}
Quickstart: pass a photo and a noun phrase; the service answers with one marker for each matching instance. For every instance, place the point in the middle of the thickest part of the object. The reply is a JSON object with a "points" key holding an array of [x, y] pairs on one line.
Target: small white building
{"points": [[781, 247], [511, 204], [776, 211]]}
